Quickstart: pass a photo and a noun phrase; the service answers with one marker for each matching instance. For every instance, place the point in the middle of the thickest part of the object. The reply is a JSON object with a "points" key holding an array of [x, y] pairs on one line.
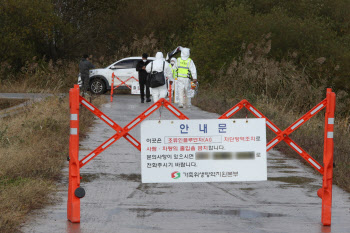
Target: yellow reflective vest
{"points": [[183, 67], [174, 72]]}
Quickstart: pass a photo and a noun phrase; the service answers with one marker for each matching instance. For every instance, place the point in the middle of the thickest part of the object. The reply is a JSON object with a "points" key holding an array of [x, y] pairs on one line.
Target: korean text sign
{"points": [[203, 150]]}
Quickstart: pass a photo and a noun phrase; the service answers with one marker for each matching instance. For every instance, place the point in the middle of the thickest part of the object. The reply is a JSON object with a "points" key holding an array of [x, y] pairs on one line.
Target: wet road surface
{"points": [[117, 201]]}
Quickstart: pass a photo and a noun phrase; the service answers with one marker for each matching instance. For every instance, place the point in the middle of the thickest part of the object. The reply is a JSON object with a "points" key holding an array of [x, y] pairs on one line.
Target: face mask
{"points": [[144, 60]]}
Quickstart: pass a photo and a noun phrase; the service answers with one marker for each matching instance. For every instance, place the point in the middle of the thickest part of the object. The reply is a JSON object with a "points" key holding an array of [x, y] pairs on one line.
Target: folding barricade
{"points": [[169, 93], [121, 84], [75, 192]]}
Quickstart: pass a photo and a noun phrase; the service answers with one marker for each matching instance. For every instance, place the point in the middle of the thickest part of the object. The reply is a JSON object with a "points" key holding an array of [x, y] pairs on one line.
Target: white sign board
{"points": [[203, 150], [135, 88]]}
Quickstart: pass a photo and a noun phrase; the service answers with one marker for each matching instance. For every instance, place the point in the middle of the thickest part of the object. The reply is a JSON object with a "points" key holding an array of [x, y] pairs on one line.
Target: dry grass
{"points": [[7, 103], [39, 76], [33, 150], [283, 94]]}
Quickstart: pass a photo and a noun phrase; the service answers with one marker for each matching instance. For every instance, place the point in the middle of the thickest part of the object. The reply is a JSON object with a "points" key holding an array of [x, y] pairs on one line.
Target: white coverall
{"points": [[174, 94], [184, 83], [160, 92]]}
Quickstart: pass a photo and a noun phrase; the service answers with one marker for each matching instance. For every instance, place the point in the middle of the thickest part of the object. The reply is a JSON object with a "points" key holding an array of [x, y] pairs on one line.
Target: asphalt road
{"points": [[117, 201]]}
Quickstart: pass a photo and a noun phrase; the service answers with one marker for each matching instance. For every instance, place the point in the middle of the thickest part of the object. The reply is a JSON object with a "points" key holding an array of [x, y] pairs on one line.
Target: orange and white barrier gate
{"points": [[121, 84], [75, 192], [169, 92], [325, 193]]}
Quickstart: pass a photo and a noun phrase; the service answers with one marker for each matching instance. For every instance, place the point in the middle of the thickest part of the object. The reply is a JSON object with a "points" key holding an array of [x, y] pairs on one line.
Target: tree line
{"points": [[314, 34]]}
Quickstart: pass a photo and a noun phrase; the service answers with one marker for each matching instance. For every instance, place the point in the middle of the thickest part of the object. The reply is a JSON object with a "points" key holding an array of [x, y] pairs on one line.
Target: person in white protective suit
{"points": [[173, 66], [158, 64], [185, 69], [173, 69]]}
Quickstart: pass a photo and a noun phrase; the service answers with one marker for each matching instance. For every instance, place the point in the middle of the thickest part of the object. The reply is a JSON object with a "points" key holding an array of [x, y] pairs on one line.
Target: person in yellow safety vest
{"points": [[185, 69]]}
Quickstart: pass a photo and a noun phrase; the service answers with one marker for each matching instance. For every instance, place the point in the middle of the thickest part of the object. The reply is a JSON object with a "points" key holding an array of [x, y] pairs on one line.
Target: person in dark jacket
{"points": [[84, 66], [141, 68]]}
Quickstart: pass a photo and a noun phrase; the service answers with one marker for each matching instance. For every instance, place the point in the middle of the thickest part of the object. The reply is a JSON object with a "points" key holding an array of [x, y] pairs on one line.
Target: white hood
{"points": [[160, 65], [185, 53], [159, 56], [173, 59]]}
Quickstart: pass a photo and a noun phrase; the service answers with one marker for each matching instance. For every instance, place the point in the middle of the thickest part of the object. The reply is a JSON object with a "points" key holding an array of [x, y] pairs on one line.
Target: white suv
{"points": [[101, 79]]}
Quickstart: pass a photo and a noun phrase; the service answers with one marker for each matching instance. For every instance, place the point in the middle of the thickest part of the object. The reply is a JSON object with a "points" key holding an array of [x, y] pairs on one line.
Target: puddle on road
{"points": [[277, 158], [314, 188], [278, 161], [247, 189], [151, 189], [288, 171], [283, 167], [245, 214], [88, 177], [292, 179], [130, 177]]}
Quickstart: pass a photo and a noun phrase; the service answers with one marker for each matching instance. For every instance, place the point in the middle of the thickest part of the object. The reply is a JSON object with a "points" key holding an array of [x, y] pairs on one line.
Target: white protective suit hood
{"points": [[173, 59], [185, 53], [159, 65], [159, 56]]}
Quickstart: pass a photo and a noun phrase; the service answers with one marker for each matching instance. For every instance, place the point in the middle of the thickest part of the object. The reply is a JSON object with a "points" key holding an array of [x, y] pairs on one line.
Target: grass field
{"points": [[33, 151], [283, 94]]}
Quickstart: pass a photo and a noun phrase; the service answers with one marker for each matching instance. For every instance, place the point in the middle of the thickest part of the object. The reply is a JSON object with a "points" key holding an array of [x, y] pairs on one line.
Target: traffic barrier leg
{"points": [[73, 205], [326, 191], [169, 93], [121, 84], [112, 87]]}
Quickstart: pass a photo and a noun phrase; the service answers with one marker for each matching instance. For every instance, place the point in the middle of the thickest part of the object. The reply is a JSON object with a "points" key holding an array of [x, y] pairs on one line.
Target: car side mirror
{"points": [[113, 67]]}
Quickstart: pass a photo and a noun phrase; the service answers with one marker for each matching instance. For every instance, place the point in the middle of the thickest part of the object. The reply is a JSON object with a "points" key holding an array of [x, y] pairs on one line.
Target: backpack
{"points": [[156, 79]]}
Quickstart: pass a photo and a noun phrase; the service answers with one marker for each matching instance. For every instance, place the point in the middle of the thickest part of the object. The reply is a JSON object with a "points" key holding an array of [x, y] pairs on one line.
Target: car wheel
{"points": [[97, 86]]}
